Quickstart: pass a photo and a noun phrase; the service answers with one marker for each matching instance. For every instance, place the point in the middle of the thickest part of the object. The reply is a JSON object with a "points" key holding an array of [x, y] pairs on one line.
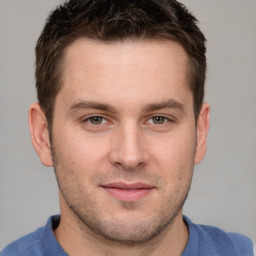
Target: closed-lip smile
{"points": [[128, 191]]}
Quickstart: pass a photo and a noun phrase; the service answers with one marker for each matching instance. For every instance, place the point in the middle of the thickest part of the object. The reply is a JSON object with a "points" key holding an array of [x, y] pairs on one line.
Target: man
{"points": [[122, 120]]}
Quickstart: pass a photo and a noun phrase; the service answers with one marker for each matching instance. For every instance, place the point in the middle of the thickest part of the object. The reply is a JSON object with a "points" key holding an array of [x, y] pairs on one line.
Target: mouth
{"points": [[128, 192]]}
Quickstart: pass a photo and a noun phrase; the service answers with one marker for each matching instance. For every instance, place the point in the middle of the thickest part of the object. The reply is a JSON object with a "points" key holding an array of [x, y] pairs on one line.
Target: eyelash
{"points": [[164, 118], [88, 119]]}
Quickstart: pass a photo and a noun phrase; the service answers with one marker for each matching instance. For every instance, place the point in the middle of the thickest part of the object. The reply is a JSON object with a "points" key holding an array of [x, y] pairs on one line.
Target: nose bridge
{"points": [[128, 146]]}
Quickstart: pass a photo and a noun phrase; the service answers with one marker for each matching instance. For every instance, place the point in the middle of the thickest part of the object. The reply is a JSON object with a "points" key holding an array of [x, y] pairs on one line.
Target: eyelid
{"points": [[167, 119], [87, 118], [107, 119]]}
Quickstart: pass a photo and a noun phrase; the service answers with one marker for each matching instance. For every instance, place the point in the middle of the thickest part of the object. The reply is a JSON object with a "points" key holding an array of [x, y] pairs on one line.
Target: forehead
{"points": [[140, 69], [127, 54]]}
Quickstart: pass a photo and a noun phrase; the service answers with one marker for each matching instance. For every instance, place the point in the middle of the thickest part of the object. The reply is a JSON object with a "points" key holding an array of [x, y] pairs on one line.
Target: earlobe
{"points": [[38, 126], [202, 131]]}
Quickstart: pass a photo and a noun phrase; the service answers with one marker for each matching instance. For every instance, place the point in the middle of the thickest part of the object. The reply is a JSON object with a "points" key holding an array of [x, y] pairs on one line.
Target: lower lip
{"points": [[128, 195]]}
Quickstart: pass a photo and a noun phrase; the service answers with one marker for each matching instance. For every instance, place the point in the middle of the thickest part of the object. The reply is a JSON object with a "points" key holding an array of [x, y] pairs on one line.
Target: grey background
{"points": [[223, 190]]}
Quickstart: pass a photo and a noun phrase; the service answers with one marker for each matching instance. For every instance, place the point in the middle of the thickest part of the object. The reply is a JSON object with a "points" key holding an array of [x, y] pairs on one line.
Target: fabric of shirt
{"points": [[203, 241]]}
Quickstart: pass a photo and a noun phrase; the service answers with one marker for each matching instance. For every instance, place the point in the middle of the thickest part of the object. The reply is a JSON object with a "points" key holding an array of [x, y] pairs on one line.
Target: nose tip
{"points": [[131, 161], [129, 150]]}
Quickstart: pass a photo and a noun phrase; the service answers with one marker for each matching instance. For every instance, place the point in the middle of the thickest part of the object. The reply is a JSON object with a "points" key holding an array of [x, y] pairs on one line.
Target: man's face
{"points": [[124, 137]]}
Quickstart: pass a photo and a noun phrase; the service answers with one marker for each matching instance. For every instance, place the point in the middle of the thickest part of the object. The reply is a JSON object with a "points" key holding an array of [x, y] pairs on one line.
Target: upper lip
{"points": [[126, 186]]}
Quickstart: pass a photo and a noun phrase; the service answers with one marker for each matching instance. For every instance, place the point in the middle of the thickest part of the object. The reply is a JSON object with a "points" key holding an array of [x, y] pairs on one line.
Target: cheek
{"points": [[84, 155], [174, 157], [176, 149]]}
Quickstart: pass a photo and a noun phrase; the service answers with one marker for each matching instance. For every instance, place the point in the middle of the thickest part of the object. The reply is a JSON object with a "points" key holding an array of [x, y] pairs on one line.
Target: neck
{"points": [[76, 240]]}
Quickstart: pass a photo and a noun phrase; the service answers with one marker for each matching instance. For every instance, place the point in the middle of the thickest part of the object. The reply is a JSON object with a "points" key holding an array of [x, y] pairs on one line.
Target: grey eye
{"points": [[159, 119], [96, 120]]}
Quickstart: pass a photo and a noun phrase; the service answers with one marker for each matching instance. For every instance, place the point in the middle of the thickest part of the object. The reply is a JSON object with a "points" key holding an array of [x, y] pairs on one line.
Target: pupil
{"points": [[158, 120], [96, 119]]}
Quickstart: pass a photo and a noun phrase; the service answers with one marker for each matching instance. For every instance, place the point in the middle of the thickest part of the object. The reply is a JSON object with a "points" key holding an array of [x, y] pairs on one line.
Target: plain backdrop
{"points": [[223, 191]]}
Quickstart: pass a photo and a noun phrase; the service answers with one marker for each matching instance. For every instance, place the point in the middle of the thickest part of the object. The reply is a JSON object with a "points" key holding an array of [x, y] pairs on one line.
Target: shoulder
{"points": [[214, 241], [226, 242], [39, 243], [26, 245]]}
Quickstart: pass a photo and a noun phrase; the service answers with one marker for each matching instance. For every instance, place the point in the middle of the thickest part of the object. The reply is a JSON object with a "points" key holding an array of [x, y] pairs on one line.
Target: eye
{"points": [[158, 120], [96, 120]]}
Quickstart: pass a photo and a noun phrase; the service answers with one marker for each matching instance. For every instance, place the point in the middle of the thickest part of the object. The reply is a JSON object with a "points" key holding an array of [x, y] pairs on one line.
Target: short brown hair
{"points": [[116, 20]]}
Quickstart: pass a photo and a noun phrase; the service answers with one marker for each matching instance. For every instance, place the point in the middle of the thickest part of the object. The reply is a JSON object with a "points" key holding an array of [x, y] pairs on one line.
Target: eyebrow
{"points": [[171, 103], [81, 105]]}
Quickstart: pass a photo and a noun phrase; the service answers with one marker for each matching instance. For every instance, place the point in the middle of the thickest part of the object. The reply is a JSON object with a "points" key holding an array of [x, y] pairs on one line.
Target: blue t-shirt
{"points": [[203, 241]]}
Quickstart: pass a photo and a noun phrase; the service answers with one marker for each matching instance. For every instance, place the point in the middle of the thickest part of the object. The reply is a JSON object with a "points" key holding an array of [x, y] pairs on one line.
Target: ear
{"points": [[202, 131], [38, 126]]}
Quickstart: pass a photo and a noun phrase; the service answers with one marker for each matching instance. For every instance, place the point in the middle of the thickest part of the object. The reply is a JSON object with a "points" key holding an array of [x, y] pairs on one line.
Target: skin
{"points": [[144, 132]]}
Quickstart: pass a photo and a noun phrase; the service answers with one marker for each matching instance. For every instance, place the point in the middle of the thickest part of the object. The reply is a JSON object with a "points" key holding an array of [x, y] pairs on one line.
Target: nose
{"points": [[128, 148]]}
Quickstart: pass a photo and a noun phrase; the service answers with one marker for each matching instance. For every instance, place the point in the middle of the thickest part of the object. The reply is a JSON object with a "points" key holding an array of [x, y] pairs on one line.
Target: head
{"points": [[113, 21], [120, 88]]}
